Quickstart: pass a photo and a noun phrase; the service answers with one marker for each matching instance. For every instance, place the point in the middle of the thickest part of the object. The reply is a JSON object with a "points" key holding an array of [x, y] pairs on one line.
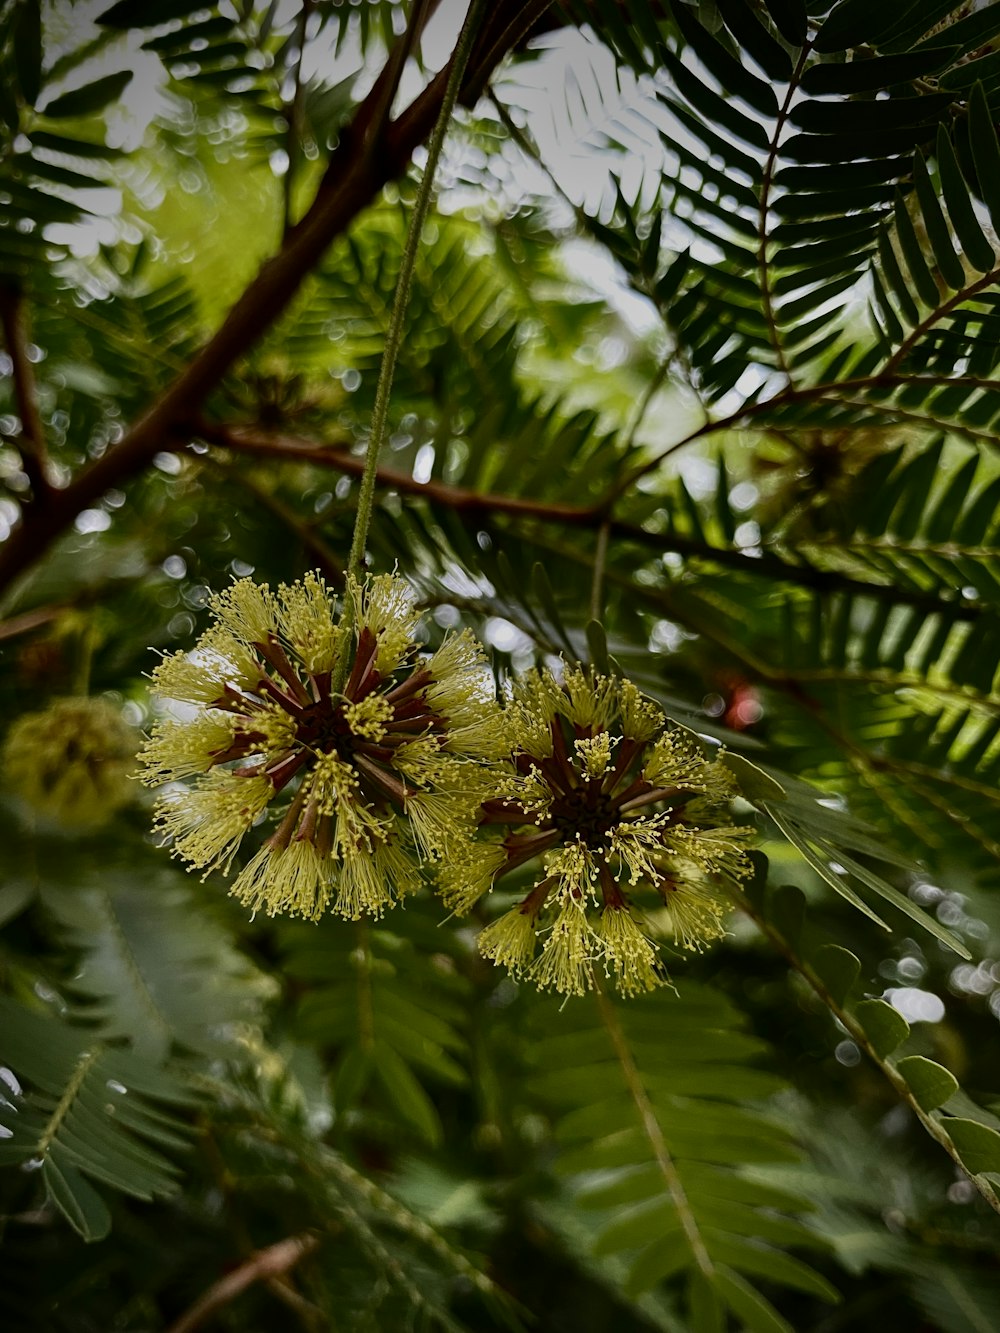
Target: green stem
{"points": [[394, 337], [600, 561], [653, 1131]]}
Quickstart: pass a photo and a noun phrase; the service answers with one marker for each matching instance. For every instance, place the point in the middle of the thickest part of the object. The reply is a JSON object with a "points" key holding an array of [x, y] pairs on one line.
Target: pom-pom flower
{"points": [[615, 801], [70, 763], [374, 776]]}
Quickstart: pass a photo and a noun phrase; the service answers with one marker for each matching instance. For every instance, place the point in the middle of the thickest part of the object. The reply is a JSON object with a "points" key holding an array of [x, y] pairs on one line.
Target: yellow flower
{"points": [[70, 762], [567, 959], [510, 940], [372, 779], [616, 801], [631, 956]]}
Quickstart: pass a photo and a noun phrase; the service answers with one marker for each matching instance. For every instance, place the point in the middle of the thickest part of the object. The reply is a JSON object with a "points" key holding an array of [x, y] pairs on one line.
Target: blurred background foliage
{"points": [[699, 382]]}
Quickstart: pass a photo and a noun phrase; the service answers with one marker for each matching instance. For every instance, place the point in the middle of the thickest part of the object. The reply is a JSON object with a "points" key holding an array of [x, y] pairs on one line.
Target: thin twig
{"points": [[266, 1264], [935, 1128], [31, 441], [31, 620]]}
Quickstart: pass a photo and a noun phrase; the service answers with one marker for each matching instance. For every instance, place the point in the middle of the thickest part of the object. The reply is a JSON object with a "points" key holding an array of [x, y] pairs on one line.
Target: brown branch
{"points": [[264, 1265], [351, 181], [31, 441], [766, 564], [352, 465], [378, 106], [31, 620]]}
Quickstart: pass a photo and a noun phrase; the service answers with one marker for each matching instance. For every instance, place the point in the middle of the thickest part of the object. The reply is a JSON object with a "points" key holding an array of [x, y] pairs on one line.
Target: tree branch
{"points": [[352, 180], [370, 127], [353, 465], [465, 501], [262, 1266], [32, 437]]}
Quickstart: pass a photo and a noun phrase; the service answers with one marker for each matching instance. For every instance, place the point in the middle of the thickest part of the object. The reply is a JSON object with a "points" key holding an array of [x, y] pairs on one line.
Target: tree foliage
{"points": [[697, 387]]}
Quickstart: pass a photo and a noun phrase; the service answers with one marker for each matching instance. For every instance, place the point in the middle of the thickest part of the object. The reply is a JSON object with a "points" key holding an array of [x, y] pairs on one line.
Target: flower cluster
{"points": [[376, 755], [70, 763], [381, 761], [615, 802]]}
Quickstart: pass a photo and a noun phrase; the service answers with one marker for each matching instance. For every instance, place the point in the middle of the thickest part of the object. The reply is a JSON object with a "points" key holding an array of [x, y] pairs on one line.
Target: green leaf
{"points": [[597, 642], [937, 228], [902, 902], [77, 1200], [755, 784], [850, 23], [49, 171], [894, 278], [155, 967], [755, 1312], [754, 37], [972, 31], [955, 1297], [15, 896], [713, 106], [28, 48], [886, 1027], [147, 13], [180, 40], [88, 100], [912, 22], [821, 864], [406, 1093], [60, 143], [838, 969], [731, 74], [978, 1145], [352, 1076], [789, 18], [708, 1314], [985, 152], [894, 113], [984, 69], [930, 1083], [920, 273], [864, 76], [88, 1111], [963, 217]]}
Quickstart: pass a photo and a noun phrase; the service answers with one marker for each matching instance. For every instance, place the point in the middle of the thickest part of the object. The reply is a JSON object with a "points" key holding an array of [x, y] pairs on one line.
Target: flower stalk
{"points": [[401, 298]]}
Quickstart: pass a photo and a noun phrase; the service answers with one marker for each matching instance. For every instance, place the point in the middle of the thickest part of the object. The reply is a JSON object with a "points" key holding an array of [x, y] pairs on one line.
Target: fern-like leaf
{"points": [[90, 1113]]}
